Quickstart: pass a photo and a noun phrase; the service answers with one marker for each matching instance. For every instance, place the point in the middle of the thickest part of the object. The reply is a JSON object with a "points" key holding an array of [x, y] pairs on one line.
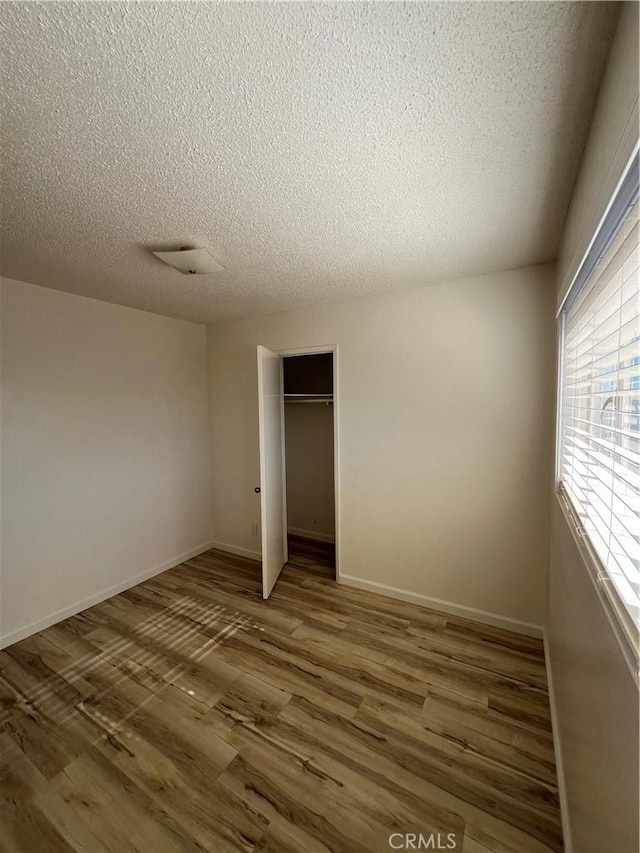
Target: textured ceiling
{"points": [[320, 151]]}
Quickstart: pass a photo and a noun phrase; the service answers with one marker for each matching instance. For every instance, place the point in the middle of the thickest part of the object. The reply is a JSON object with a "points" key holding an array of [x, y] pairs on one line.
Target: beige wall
{"points": [[309, 466], [596, 695], [596, 701], [612, 138], [105, 451], [445, 412]]}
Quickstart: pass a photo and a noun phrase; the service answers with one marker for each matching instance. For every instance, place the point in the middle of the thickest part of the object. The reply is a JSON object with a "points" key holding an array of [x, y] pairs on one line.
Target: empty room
{"points": [[319, 427]]}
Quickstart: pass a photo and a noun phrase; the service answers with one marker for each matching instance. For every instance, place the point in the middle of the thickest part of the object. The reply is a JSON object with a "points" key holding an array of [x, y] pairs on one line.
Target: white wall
{"points": [[445, 422], [105, 452], [596, 695], [309, 466]]}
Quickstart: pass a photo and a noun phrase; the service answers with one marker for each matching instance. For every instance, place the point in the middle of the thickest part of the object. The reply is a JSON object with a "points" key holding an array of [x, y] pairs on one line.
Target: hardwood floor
{"points": [[187, 714], [314, 556]]}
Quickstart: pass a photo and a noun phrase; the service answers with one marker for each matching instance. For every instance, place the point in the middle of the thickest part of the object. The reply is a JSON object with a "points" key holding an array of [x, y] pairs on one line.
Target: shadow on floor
{"points": [[317, 557]]}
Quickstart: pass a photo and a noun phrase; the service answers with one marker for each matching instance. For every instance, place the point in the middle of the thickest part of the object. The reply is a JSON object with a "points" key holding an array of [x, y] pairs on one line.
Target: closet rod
{"points": [[309, 398]]}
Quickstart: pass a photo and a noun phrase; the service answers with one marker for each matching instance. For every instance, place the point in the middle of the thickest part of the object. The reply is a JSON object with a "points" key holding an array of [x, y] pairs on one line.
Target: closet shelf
{"points": [[308, 398]]}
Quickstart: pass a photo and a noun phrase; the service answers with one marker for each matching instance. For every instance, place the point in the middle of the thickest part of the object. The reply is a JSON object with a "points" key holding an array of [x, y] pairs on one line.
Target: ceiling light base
{"points": [[191, 261]]}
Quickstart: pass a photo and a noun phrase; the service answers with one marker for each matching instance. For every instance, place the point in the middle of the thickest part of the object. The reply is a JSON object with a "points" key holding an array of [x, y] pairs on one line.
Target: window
{"points": [[599, 459]]}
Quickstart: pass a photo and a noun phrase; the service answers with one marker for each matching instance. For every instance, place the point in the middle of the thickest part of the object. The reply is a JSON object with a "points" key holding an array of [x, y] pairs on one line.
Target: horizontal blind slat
{"points": [[599, 464]]}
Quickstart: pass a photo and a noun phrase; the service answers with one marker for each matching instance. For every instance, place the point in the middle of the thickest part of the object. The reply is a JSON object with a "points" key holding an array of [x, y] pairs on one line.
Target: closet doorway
{"points": [[310, 462], [299, 462]]}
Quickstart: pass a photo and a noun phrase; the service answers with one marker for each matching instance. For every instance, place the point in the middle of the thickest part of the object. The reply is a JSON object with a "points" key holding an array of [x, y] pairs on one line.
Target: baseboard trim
{"points": [[79, 606], [557, 748], [461, 610], [237, 550], [311, 534]]}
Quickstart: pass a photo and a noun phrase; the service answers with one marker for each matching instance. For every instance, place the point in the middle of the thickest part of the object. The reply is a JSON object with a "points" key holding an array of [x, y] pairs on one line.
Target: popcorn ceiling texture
{"points": [[320, 151]]}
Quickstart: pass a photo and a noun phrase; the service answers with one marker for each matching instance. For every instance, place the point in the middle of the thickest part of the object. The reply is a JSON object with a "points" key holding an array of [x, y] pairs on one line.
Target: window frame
{"points": [[625, 628]]}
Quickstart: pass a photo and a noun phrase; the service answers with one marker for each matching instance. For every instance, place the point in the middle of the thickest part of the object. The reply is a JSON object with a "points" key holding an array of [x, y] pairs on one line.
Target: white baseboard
{"points": [[461, 610], [79, 606], [557, 748], [311, 534], [236, 549]]}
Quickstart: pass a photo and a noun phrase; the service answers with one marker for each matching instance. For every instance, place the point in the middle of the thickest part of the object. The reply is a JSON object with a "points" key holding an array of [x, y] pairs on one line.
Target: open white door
{"points": [[272, 472]]}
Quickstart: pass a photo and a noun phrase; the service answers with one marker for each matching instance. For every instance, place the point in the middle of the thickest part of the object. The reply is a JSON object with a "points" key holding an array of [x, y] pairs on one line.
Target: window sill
{"points": [[622, 624]]}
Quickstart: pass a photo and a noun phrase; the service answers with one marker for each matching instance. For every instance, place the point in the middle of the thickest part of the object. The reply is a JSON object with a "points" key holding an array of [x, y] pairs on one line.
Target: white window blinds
{"points": [[599, 465]]}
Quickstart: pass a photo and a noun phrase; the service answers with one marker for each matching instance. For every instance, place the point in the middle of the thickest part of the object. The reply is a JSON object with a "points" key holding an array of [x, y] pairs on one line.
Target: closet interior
{"points": [[309, 451]]}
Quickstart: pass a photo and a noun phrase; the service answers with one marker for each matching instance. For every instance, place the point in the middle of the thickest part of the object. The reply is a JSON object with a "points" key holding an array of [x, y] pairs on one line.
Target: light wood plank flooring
{"points": [[314, 556], [186, 714]]}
